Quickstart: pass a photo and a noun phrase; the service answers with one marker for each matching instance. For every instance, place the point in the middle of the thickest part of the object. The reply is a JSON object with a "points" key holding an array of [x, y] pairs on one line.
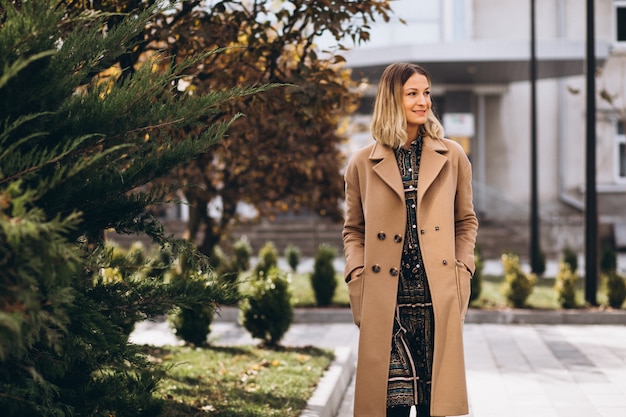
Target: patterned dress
{"points": [[410, 368]]}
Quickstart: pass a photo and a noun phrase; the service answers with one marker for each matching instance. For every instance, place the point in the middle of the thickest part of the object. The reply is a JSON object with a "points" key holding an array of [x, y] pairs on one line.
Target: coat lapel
{"points": [[387, 168], [431, 163]]}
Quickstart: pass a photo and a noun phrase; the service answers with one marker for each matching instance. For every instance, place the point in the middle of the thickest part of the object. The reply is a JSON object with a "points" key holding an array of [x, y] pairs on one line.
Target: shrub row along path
{"points": [[519, 362], [517, 365]]}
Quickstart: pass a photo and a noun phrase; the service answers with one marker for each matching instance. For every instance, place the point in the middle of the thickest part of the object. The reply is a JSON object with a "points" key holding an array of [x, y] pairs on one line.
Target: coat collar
{"points": [[432, 161]]}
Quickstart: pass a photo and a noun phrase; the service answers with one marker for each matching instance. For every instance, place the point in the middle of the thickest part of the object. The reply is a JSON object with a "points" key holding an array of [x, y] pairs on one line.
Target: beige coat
{"points": [[373, 236]]}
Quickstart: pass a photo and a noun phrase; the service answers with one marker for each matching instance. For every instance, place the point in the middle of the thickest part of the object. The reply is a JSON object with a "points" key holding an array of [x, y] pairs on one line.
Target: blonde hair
{"points": [[388, 125]]}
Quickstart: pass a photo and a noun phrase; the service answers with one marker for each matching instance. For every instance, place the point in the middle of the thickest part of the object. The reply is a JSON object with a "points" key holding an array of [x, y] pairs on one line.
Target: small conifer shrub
{"points": [[323, 279], [517, 284], [242, 252], [267, 312], [565, 285], [292, 255], [268, 258], [608, 258], [228, 268], [571, 258], [616, 289], [193, 324]]}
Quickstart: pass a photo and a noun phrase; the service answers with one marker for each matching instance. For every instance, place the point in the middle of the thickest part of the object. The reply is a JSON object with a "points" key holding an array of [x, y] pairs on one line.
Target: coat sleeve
{"points": [[353, 232], [465, 220]]}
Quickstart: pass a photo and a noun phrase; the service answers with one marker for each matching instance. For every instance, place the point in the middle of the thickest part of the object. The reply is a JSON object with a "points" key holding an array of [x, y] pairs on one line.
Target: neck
{"points": [[412, 134]]}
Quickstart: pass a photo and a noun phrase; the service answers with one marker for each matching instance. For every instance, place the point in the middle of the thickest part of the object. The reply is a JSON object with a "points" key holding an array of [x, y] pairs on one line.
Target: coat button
{"points": [[397, 238], [445, 262], [376, 268], [393, 272], [422, 231], [437, 228], [381, 235]]}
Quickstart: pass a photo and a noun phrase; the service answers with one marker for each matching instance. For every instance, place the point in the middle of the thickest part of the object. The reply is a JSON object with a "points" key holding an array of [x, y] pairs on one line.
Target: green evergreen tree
{"points": [[79, 142], [292, 255], [268, 259], [565, 285], [517, 285], [323, 280], [616, 289], [267, 312]]}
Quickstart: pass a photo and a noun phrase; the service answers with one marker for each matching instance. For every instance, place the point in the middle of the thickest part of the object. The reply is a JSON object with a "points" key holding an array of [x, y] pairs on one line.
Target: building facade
{"points": [[478, 54]]}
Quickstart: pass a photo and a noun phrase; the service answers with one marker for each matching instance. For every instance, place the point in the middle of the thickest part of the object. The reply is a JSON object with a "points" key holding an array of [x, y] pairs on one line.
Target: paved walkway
{"points": [[546, 370], [514, 370], [541, 371]]}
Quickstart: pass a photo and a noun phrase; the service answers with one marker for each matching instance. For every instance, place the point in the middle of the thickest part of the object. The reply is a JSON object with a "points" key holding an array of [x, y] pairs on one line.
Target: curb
{"points": [[300, 315], [474, 316], [522, 316], [328, 395]]}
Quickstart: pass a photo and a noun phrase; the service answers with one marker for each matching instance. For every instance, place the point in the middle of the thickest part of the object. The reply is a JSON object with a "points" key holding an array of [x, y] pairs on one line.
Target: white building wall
{"points": [[501, 19], [547, 143], [508, 118], [574, 134]]}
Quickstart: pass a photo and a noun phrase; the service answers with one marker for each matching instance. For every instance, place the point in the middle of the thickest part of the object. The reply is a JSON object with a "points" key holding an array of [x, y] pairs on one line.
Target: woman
{"points": [[409, 235]]}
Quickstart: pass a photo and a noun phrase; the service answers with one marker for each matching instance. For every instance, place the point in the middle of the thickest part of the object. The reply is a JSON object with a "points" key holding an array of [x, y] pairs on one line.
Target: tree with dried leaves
{"points": [[284, 155]]}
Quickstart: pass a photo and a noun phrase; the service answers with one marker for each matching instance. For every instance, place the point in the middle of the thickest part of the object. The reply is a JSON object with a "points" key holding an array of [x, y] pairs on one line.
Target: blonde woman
{"points": [[409, 235]]}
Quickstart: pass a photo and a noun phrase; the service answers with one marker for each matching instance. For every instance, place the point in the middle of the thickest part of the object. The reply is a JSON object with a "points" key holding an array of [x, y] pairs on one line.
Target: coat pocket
{"points": [[463, 287], [355, 293]]}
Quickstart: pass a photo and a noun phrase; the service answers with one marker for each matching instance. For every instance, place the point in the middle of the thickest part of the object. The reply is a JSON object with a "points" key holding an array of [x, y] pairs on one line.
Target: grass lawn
{"points": [[302, 292], [544, 295], [245, 381], [303, 295]]}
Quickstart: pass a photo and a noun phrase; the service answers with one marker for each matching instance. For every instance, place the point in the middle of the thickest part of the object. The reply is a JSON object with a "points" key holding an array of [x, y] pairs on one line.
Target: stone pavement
{"points": [[513, 370], [546, 370]]}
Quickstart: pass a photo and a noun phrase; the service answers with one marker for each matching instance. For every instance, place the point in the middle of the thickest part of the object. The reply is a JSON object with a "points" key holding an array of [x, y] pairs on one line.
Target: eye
{"points": [[426, 93]]}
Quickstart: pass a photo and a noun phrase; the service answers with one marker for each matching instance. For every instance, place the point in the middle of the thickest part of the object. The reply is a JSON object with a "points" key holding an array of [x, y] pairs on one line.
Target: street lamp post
{"points": [[591, 204], [535, 255]]}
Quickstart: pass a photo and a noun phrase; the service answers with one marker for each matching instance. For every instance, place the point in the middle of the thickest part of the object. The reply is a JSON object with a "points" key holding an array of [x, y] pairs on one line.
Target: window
{"points": [[458, 20], [620, 143], [620, 20]]}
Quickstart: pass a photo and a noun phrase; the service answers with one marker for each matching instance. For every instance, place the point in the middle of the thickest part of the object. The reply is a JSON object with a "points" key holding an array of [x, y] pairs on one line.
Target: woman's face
{"points": [[416, 100]]}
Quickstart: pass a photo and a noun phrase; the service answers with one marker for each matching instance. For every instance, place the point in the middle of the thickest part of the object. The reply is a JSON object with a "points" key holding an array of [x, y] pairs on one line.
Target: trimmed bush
{"points": [[191, 322], [193, 325], [228, 268], [323, 279], [242, 252], [268, 259], [517, 285], [608, 258], [565, 285], [267, 312], [571, 258], [292, 255], [616, 289]]}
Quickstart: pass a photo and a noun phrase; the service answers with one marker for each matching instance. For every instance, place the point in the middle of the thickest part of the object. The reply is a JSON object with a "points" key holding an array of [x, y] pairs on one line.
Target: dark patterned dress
{"points": [[410, 368]]}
